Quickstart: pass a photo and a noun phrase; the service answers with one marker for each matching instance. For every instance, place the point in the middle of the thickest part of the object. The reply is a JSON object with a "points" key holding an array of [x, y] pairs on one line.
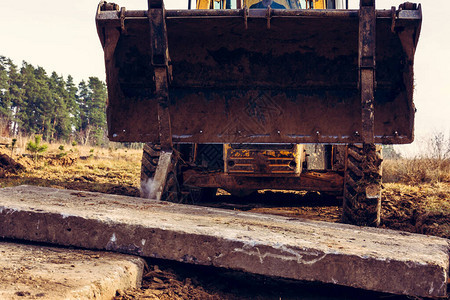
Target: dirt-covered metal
{"points": [[367, 60], [296, 82]]}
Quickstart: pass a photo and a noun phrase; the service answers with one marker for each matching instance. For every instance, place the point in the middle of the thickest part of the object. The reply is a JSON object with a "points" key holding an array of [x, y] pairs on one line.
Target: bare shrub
{"points": [[439, 146]]}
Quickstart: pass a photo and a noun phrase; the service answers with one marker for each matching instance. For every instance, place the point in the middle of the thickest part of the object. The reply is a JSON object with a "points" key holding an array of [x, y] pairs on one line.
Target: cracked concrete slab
{"points": [[38, 272], [367, 258]]}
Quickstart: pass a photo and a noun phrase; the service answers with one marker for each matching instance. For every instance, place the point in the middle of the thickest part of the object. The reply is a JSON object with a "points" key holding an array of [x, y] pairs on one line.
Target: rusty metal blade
{"points": [[295, 82]]}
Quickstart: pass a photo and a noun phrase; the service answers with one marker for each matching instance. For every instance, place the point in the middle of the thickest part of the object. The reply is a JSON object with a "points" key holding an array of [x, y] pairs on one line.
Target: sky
{"points": [[60, 36]]}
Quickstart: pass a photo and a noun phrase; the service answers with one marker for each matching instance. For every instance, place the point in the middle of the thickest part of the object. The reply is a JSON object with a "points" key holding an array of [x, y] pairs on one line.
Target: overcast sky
{"points": [[60, 35]]}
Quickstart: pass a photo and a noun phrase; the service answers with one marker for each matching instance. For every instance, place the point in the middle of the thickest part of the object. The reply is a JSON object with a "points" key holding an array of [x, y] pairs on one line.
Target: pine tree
{"points": [[5, 102], [83, 125], [15, 94], [28, 113], [97, 109], [36, 146], [34, 103], [61, 121], [45, 104], [72, 105]]}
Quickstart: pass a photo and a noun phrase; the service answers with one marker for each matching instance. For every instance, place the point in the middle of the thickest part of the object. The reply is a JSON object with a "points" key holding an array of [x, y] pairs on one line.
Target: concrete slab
{"points": [[368, 258], [35, 272]]}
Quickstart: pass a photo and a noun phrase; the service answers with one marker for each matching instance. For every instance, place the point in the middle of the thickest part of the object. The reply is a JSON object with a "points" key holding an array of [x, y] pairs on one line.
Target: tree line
{"points": [[33, 102]]}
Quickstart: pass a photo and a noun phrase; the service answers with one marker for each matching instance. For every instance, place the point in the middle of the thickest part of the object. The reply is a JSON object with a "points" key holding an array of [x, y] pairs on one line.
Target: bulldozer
{"points": [[272, 94]]}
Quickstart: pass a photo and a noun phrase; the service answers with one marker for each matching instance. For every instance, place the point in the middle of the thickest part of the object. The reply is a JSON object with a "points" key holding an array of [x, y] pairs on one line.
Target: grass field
{"points": [[108, 170]]}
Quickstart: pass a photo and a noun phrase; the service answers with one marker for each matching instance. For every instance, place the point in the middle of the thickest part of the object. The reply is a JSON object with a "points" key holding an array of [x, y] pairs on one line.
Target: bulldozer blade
{"points": [[259, 76]]}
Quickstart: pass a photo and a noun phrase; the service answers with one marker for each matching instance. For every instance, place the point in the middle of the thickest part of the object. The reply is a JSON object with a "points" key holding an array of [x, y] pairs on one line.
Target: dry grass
{"points": [[417, 170], [110, 170], [431, 197], [416, 196], [422, 208]]}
